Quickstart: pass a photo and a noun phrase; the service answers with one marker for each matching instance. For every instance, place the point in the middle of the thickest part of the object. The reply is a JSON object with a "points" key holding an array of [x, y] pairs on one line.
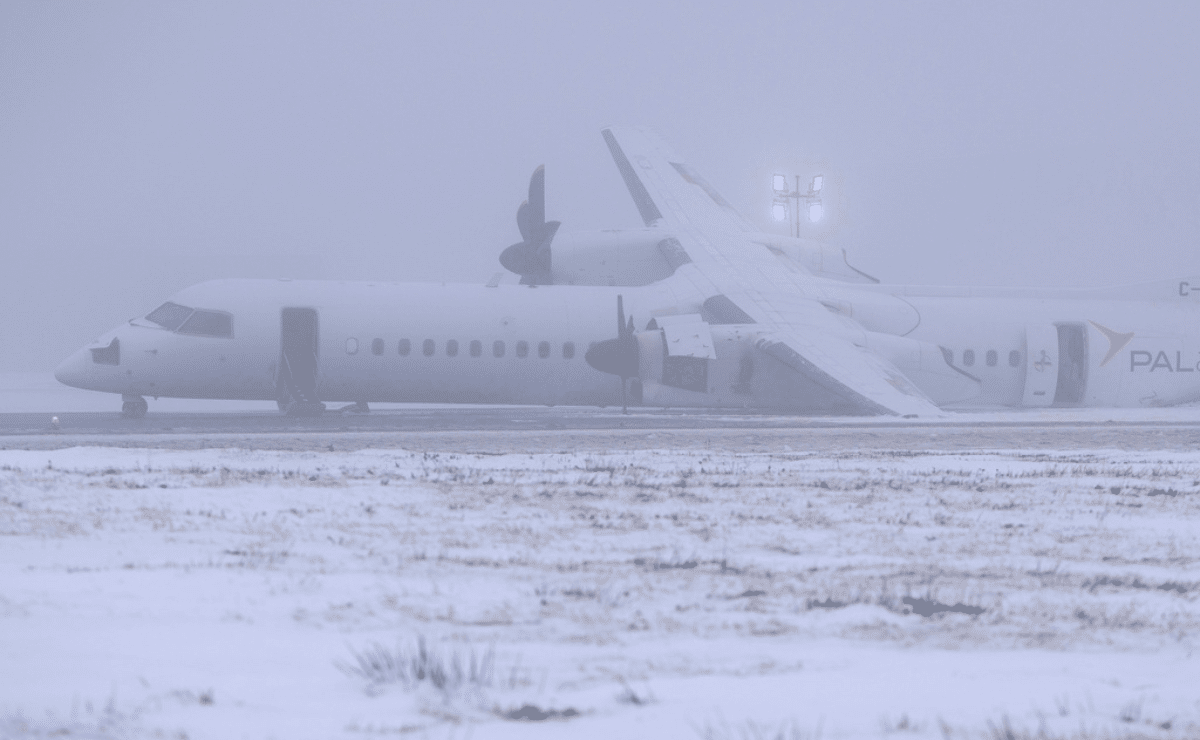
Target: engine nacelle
{"points": [[637, 257], [687, 362], [875, 311], [822, 260], [625, 257]]}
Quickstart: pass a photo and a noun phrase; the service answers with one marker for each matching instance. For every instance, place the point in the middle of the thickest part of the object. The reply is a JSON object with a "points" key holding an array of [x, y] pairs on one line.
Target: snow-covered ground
{"points": [[647, 593]]}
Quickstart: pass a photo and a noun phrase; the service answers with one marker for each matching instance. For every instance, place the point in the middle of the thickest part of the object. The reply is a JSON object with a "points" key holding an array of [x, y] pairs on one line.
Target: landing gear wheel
{"points": [[134, 407]]}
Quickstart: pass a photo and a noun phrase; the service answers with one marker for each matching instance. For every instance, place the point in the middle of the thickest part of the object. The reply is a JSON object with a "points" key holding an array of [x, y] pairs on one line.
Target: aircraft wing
{"points": [[727, 267]]}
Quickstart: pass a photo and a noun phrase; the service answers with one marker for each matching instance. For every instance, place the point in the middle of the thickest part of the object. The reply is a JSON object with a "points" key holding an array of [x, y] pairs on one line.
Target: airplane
{"points": [[710, 312]]}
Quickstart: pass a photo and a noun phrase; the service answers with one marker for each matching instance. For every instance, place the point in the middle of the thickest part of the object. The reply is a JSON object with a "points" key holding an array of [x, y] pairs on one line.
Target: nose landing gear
{"points": [[134, 407]]}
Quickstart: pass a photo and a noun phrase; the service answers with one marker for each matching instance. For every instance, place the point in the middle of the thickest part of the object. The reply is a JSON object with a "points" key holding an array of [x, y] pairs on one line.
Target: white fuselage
{"points": [[1156, 366], [398, 342], [362, 329]]}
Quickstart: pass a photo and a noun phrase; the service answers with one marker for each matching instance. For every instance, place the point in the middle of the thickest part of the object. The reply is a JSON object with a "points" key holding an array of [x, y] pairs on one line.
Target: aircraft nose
{"points": [[73, 370]]}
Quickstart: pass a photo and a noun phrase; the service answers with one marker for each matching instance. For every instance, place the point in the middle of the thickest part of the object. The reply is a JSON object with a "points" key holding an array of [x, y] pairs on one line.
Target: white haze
{"points": [[147, 146]]}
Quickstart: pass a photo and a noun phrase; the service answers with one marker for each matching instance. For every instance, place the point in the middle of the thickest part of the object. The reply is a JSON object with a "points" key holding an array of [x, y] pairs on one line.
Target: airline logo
{"points": [[1116, 341], [1141, 358]]}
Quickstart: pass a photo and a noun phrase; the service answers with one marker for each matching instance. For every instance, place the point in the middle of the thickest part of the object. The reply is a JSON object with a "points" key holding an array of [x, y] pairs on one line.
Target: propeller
{"points": [[617, 356], [530, 257]]}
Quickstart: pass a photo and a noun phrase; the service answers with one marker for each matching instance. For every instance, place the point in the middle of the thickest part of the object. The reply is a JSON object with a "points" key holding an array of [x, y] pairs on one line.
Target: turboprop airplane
{"points": [[709, 312]]}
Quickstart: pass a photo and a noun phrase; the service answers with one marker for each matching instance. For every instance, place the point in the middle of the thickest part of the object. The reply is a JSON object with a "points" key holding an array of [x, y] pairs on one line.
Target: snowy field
{"points": [[645, 593]]}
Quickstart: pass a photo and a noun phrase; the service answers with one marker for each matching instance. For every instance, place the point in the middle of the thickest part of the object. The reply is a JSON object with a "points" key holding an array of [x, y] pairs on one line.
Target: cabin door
{"points": [[1072, 365], [299, 362], [1041, 364]]}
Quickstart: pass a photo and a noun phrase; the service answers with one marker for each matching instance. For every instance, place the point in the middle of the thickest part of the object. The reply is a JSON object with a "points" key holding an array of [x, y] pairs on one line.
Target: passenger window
{"points": [[991, 358], [476, 348], [451, 347], [377, 346], [968, 357], [169, 315], [351, 346], [522, 348], [498, 348], [427, 347], [543, 350], [568, 350], [1014, 358], [403, 347], [208, 324]]}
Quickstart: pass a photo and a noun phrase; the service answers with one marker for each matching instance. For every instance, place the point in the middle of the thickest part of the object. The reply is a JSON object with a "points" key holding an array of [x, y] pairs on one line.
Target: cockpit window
{"points": [[208, 324], [110, 355], [169, 315]]}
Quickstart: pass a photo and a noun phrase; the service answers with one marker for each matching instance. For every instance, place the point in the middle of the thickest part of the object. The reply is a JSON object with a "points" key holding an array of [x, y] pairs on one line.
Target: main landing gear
{"points": [[134, 407]]}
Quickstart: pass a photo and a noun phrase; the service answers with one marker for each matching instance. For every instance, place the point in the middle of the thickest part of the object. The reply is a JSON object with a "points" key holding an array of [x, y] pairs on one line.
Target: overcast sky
{"points": [[148, 146]]}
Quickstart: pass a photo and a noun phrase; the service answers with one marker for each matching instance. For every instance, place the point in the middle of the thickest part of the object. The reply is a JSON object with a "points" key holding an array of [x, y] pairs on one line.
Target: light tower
{"points": [[788, 202]]}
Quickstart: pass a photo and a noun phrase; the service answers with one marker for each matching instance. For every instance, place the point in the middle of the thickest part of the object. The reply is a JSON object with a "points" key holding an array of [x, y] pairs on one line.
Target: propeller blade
{"points": [[537, 195], [531, 258], [549, 229], [525, 222], [617, 356]]}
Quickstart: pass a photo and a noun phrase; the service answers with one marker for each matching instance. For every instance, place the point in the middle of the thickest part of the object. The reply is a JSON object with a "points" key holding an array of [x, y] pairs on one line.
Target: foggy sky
{"points": [[145, 147]]}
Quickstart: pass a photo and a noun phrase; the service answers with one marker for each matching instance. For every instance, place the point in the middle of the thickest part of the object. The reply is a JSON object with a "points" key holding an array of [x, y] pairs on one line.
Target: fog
{"points": [[147, 147]]}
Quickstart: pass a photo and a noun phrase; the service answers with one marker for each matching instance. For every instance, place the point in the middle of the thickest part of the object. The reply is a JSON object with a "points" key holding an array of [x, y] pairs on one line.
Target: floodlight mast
{"points": [[786, 200]]}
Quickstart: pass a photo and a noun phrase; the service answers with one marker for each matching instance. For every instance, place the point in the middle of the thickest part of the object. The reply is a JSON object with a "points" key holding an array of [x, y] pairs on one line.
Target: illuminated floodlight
{"points": [[779, 211], [817, 183], [816, 212], [779, 184]]}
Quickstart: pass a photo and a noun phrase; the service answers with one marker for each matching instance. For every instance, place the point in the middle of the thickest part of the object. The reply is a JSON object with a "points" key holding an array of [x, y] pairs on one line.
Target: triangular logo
{"points": [[1116, 341]]}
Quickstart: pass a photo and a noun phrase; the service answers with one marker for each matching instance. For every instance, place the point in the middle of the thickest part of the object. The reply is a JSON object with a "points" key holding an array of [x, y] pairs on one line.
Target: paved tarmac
{"points": [[523, 428]]}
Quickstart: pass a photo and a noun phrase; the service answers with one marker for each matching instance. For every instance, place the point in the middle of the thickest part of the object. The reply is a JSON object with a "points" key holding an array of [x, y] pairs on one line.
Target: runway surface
{"points": [[539, 429]]}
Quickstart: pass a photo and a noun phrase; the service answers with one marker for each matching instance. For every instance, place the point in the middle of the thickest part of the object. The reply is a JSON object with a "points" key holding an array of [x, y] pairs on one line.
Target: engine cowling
{"points": [[627, 257], [686, 362]]}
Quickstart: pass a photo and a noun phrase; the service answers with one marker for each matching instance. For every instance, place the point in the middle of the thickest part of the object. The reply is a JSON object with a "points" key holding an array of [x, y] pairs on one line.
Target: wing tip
{"points": [[637, 190]]}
